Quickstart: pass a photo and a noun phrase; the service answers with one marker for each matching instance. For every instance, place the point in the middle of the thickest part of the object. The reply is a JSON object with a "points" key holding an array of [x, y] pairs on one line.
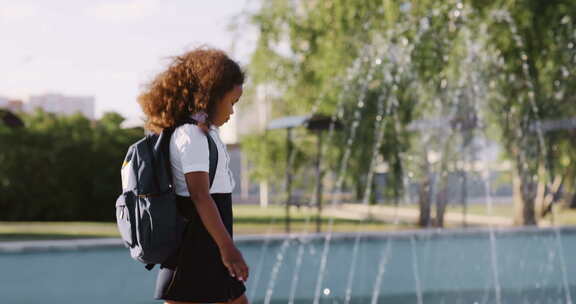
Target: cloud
{"points": [[14, 12], [123, 10], [124, 76]]}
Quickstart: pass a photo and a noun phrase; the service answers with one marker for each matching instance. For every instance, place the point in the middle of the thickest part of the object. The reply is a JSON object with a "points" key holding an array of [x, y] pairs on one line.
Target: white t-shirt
{"points": [[189, 153]]}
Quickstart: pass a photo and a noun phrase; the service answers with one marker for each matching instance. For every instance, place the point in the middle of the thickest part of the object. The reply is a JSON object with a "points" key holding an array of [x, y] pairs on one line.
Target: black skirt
{"points": [[196, 273]]}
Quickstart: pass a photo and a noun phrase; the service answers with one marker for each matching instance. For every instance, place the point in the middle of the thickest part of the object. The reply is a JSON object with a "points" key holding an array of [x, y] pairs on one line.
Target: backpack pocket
{"points": [[163, 218], [160, 226], [125, 218]]}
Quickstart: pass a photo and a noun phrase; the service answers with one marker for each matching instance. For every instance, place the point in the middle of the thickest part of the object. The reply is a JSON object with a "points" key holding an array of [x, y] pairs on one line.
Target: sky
{"points": [[108, 49]]}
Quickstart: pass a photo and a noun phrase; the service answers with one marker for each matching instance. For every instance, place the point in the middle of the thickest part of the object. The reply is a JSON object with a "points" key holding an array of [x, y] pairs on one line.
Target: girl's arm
{"points": [[198, 187]]}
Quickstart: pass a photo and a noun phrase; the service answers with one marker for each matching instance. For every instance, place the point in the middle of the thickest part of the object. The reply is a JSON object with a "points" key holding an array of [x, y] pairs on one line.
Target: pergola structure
{"points": [[315, 123]]}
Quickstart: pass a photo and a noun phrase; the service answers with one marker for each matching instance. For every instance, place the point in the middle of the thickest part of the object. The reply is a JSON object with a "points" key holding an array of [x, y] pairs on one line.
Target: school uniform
{"points": [[196, 273]]}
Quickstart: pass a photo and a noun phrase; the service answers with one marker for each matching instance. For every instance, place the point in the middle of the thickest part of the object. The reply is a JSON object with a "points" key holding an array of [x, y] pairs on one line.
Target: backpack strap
{"points": [[156, 178], [212, 156]]}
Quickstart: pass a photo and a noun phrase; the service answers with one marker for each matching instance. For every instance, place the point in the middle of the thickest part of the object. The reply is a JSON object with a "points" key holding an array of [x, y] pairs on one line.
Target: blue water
{"points": [[422, 266]]}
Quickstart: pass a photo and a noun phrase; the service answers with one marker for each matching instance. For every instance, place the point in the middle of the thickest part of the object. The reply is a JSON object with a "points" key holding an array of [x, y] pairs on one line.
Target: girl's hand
{"points": [[233, 260]]}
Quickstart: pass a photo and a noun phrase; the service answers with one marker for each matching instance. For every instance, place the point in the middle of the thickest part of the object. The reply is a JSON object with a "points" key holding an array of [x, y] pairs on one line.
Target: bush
{"points": [[62, 168]]}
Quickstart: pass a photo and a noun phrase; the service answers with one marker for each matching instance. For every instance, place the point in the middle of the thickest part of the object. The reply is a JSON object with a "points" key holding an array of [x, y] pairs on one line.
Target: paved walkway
{"points": [[403, 214]]}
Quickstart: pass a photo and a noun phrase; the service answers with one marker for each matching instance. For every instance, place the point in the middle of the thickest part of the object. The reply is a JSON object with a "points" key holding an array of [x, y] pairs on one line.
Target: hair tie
{"points": [[200, 116]]}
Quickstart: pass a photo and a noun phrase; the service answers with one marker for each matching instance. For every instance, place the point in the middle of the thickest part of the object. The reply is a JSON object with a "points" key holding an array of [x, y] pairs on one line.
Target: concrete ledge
{"points": [[420, 234], [58, 245], [85, 244]]}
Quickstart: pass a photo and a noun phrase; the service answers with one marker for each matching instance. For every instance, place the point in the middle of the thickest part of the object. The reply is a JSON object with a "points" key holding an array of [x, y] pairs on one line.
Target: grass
{"points": [[12, 231], [562, 216], [504, 210], [251, 219], [248, 219]]}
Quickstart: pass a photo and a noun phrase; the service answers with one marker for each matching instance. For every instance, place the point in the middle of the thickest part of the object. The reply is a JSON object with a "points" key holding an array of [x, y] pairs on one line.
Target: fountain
{"points": [[472, 265], [445, 133]]}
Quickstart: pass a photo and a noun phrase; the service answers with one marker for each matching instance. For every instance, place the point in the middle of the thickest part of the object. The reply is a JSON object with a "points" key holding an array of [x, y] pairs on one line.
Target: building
{"points": [[64, 105], [12, 105], [250, 116]]}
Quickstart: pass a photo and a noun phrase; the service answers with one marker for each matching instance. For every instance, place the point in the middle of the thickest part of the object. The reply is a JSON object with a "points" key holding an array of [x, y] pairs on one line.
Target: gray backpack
{"points": [[146, 212]]}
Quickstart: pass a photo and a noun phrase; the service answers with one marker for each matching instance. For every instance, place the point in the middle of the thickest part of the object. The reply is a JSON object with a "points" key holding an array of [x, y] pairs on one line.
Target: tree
{"points": [[383, 66], [533, 70]]}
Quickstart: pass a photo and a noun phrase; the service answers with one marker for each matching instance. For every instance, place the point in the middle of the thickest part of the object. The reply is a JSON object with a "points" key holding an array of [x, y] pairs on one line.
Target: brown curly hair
{"points": [[195, 81]]}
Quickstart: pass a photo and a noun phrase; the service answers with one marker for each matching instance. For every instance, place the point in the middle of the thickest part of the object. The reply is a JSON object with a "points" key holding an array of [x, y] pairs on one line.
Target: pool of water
{"points": [[469, 266]]}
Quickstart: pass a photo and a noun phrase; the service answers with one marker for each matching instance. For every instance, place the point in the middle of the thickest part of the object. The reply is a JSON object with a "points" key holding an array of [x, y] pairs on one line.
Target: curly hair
{"points": [[195, 81]]}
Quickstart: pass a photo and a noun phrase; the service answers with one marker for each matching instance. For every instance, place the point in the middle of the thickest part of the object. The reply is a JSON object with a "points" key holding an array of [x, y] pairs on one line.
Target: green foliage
{"points": [[324, 54], [62, 167], [490, 68], [267, 155]]}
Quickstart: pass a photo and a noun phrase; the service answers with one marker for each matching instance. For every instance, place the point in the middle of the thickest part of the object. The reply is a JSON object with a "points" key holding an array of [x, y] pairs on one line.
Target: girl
{"points": [[203, 84]]}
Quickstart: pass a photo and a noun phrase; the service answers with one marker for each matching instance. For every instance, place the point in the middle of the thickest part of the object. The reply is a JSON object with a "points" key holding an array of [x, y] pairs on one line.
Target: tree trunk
{"points": [[526, 188], [573, 201], [541, 191], [570, 190], [424, 202], [516, 198], [424, 192], [441, 202]]}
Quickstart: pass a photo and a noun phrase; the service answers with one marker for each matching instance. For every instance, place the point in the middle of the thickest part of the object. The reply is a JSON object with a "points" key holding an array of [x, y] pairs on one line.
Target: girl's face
{"points": [[225, 109]]}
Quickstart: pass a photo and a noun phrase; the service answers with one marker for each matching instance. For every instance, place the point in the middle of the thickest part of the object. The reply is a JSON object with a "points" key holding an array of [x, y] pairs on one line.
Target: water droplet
{"points": [[459, 5], [457, 13], [404, 41], [378, 117], [326, 291], [559, 95], [570, 45], [524, 57], [443, 83], [525, 66], [361, 104], [424, 24], [565, 20], [378, 61]]}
